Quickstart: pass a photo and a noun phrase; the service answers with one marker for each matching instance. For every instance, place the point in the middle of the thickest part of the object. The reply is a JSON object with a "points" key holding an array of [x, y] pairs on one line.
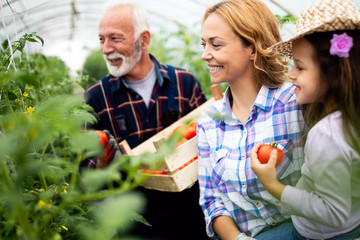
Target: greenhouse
{"points": [[70, 28], [62, 176]]}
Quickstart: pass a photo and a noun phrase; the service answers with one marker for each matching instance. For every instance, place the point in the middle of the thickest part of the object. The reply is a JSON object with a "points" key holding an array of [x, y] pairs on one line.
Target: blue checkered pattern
{"points": [[228, 185]]}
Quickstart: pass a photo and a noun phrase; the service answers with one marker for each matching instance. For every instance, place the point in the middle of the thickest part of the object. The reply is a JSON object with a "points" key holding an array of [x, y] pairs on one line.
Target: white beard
{"points": [[127, 64]]}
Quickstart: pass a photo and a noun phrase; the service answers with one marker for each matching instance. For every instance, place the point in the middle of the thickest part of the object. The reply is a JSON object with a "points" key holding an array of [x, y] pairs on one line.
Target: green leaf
{"points": [[115, 214], [96, 179]]}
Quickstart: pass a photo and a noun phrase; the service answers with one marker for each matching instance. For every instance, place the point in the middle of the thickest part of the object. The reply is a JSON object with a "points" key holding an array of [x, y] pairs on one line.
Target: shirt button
{"points": [[244, 185], [258, 204]]}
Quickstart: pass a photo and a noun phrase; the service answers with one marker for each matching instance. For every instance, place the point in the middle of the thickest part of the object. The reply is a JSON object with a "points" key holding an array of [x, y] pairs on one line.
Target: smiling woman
{"points": [[226, 54], [255, 104]]}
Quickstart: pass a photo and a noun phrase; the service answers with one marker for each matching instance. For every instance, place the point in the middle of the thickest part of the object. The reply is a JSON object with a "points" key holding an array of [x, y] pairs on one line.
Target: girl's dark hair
{"points": [[341, 79]]}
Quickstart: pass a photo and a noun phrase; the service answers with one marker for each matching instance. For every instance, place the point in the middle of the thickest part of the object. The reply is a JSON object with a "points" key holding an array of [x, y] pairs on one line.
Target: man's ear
{"points": [[145, 39]]}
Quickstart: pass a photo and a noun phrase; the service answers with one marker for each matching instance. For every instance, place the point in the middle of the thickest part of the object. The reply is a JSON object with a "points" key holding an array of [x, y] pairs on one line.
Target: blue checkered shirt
{"points": [[228, 186]]}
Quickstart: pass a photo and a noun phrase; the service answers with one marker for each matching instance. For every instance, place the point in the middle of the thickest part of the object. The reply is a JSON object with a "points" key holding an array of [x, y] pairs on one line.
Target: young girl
{"points": [[325, 204], [257, 107]]}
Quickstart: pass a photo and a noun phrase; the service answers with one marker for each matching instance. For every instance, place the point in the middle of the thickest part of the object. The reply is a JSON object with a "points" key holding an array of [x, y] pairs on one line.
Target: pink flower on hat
{"points": [[341, 45]]}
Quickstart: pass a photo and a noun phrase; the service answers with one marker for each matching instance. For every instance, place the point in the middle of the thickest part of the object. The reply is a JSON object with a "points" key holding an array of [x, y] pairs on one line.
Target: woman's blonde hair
{"points": [[256, 25]]}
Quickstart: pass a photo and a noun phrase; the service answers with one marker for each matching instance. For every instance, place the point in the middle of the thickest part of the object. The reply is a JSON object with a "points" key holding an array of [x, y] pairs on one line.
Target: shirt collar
{"points": [[265, 98], [263, 101]]}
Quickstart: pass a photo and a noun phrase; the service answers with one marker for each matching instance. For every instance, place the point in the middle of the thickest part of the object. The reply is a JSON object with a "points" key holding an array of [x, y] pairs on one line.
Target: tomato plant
{"points": [[45, 190], [265, 151]]}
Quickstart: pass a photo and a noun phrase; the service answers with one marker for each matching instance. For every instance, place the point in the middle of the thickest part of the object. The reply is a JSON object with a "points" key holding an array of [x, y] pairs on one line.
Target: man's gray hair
{"points": [[140, 19]]}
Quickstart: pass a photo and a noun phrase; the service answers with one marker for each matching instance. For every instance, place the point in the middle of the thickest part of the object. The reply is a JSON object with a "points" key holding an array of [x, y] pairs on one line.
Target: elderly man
{"points": [[139, 98]]}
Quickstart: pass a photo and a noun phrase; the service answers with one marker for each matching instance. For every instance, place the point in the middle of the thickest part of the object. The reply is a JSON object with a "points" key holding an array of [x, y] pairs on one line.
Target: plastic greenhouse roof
{"points": [[70, 27]]}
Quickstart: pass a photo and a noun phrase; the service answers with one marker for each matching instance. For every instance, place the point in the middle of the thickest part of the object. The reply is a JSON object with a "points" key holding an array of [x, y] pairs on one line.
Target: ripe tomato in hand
{"points": [[103, 138], [265, 151]]}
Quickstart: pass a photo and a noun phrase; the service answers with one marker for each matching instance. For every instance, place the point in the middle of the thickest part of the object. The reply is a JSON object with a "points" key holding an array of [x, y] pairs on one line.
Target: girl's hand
{"points": [[265, 172]]}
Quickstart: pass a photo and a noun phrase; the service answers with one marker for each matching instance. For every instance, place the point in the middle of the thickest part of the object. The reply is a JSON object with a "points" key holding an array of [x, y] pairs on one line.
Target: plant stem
{"points": [[8, 102], [6, 176], [21, 213], [42, 178], [76, 170]]}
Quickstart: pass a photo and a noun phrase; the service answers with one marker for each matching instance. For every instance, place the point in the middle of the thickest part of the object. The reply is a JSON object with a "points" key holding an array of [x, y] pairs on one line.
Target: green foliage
{"points": [[94, 67], [286, 19], [27, 79], [8, 50], [44, 192]]}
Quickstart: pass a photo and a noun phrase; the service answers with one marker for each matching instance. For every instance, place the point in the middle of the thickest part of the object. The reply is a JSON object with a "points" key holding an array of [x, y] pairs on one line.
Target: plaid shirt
{"points": [[139, 122], [228, 186]]}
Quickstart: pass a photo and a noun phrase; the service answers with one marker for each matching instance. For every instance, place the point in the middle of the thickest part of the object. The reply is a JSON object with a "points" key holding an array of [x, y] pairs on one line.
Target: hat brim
{"points": [[285, 48]]}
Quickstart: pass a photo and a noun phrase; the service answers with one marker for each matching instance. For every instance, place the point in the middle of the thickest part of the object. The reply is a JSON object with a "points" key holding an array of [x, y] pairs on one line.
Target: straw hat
{"points": [[322, 16]]}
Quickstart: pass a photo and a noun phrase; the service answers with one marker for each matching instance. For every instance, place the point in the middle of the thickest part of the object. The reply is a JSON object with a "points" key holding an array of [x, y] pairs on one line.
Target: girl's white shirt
{"points": [[326, 200]]}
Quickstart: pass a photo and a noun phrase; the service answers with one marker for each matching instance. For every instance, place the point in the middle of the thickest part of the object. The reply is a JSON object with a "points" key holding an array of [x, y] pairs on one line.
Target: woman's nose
{"points": [[206, 55]]}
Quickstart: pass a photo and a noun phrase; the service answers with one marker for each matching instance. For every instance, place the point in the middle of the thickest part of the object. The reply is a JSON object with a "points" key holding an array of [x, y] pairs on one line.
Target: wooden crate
{"points": [[178, 177]]}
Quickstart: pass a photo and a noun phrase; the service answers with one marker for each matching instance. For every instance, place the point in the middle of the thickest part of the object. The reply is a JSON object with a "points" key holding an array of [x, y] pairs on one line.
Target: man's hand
{"points": [[111, 151]]}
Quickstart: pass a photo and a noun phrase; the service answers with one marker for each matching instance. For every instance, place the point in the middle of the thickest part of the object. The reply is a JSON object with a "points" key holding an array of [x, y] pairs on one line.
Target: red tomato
{"points": [[103, 139], [154, 172], [265, 151], [188, 162], [194, 124], [190, 132], [159, 172]]}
